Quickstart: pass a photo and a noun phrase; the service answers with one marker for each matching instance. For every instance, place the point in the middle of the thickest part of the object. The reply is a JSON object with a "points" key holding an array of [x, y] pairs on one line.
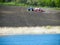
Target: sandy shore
{"points": [[29, 30]]}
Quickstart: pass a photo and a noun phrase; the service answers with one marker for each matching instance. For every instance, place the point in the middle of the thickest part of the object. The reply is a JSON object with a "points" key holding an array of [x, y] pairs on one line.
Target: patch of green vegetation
{"points": [[13, 4], [10, 3], [57, 8], [48, 27], [40, 3]]}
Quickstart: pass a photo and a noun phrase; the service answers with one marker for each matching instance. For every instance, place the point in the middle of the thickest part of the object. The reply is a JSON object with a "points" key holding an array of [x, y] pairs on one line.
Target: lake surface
{"points": [[42, 39]]}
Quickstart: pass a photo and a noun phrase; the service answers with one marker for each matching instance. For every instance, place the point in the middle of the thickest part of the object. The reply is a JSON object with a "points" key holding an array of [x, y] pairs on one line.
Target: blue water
{"points": [[43, 39]]}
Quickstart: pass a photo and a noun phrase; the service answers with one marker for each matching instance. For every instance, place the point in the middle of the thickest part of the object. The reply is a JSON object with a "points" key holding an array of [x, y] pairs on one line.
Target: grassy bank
{"points": [[12, 4], [8, 4], [25, 5], [57, 8]]}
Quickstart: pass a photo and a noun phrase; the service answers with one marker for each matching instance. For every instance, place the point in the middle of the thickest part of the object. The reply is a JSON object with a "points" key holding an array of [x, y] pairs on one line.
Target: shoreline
{"points": [[26, 19], [29, 30]]}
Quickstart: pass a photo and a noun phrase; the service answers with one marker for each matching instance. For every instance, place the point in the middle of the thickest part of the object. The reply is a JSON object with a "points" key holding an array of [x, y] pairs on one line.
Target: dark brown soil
{"points": [[14, 16]]}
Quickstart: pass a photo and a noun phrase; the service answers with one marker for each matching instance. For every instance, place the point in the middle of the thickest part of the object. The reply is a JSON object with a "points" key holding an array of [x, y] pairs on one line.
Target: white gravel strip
{"points": [[29, 30]]}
